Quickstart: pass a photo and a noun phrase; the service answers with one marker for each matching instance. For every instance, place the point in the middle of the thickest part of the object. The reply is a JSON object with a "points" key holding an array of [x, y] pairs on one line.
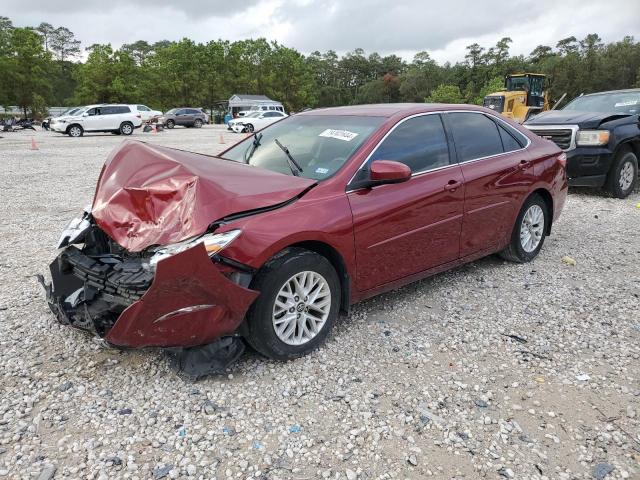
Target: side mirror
{"points": [[388, 171], [85, 114]]}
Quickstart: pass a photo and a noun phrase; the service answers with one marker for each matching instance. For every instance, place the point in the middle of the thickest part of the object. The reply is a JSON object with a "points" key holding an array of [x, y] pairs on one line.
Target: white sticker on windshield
{"points": [[345, 135], [626, 104], [322, 170]]}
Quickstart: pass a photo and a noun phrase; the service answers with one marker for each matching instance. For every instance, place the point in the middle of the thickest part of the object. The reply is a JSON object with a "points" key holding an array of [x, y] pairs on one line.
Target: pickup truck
{"points": [[600, 134]]}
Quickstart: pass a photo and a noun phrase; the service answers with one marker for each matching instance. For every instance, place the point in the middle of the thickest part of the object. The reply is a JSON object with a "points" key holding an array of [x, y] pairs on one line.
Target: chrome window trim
{"points": [[440, 112], [574, 131]]}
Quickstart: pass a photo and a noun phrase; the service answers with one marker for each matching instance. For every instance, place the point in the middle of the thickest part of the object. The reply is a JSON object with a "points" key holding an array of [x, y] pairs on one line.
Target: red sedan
{"points": [[276, 236]]}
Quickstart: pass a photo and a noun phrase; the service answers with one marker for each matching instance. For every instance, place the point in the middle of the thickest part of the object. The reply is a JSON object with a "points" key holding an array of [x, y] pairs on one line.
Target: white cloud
{"points": [[442, 28]]}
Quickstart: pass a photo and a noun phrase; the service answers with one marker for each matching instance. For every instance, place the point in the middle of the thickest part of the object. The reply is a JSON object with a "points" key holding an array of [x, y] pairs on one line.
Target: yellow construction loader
{"points": [[523, 96]]}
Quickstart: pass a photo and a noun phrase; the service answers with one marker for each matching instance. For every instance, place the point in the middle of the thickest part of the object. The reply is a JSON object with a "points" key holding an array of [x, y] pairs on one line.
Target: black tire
{"points": [[249, 128], [516, 252], [625, 163], [75, 131], [197, 123], [171, 124], [260, 331], [126, 128]]}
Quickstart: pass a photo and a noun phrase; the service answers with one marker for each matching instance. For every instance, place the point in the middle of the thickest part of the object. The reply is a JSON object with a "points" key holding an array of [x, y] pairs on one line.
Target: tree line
{"points": [[45, 65]]}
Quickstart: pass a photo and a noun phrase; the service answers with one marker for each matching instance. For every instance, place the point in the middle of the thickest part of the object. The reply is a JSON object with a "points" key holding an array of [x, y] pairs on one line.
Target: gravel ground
{"points": [[493, 370]]}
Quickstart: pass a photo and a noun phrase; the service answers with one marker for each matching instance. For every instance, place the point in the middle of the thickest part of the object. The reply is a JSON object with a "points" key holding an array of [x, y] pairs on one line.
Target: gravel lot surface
{"points": [[493, 370]]}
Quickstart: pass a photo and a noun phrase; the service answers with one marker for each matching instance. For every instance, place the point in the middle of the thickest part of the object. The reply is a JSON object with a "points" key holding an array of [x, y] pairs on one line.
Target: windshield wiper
{"points": [[252, 148], [293, 165]]}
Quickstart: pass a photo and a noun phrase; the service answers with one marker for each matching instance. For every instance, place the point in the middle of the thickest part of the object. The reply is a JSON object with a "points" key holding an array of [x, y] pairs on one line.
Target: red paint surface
{"points": [[386, 236], [151, 195], [185, 280]]}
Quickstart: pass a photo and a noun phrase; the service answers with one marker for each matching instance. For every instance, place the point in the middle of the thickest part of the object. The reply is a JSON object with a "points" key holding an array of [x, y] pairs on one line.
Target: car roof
{"points": [[625, 90], [390, 109]]}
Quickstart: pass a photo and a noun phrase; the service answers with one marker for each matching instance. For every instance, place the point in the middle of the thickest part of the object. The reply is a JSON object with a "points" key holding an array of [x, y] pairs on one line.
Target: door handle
{"points": [[524, 164], [452, 185]]}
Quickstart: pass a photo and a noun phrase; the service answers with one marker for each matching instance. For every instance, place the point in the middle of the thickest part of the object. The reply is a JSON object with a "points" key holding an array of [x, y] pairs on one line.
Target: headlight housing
{"points": [[592, 138], [213, 243]]}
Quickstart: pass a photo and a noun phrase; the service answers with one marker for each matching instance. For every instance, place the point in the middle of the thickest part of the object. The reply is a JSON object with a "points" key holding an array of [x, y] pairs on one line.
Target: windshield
{"points": [[619, 102], [252, 115], [173, 110], [319, 144]]}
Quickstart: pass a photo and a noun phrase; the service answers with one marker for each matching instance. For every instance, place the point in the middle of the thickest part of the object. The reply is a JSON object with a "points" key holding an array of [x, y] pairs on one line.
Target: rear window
{"points": [[475, 135], [114, 109]]}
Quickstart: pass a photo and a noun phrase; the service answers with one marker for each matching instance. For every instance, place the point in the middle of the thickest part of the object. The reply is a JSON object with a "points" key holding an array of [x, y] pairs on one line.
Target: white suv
{"points": [[145, 112], [118, 119]]}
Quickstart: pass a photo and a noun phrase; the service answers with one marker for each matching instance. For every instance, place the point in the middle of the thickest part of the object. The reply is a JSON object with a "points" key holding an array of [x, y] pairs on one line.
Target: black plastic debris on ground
{"points": [[213, 359]]}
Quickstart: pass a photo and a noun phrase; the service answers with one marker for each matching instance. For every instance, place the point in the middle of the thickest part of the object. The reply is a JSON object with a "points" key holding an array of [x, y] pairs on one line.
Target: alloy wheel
{"points": [[532, 228], [301, 308], [127, 129], [75, 131], [626, 176]]}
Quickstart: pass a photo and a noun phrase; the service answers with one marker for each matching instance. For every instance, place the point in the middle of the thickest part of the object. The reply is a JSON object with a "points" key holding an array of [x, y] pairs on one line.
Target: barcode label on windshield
{"points": [[338, 134]]}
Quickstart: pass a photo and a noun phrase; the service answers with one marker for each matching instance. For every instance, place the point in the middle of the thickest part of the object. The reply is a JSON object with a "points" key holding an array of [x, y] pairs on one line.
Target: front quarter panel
{"points": [[318, 216]]}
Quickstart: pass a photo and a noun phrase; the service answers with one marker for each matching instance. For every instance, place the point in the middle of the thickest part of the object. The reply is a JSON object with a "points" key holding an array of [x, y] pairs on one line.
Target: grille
{"points": [[494, 103], [561, 137]]}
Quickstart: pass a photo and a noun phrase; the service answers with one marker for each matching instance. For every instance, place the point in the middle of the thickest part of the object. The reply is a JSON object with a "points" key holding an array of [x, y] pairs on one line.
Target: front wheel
{"points": [[249, 128], [624, 174], [171, 124], [298, 303], [529, 231], [75, 131]]}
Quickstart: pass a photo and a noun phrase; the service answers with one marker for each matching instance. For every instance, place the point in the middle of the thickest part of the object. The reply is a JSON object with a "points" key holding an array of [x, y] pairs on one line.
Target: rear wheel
{"points": [[171, 124], [624, 174], [298, 303], [529, 231], [126, 128], [75, 131], [197, 123]]}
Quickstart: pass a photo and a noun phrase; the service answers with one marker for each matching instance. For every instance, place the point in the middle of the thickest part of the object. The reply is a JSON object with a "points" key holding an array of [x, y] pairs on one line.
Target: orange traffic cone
{"points": [[34, 145], [221, 140]]}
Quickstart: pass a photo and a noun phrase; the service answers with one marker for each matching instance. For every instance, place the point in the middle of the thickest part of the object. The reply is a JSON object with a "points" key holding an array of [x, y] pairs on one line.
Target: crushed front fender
{"points": [[189, 303]]}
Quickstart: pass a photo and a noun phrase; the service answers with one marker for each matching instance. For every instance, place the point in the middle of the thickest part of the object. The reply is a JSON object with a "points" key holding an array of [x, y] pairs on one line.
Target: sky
{"points": [[443, 28]]}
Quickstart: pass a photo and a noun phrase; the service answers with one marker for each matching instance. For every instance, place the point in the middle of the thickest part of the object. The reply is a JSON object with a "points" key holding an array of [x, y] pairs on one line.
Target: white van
{"points": [[118, 119]]}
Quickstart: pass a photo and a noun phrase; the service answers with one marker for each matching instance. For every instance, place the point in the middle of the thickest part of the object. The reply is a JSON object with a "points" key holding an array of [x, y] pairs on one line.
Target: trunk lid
{"points": [[153, 195]]}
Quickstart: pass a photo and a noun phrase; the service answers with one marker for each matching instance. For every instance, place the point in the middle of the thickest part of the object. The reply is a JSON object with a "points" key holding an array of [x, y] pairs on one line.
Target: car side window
{"points": [[92, 111], [419, 142], [475, 135], [509, 141]]}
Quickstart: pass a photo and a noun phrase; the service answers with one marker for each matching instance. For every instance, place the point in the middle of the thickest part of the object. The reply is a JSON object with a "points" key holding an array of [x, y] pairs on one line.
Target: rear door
{"points": [[182, 117], [497, 173], [402, 229]]}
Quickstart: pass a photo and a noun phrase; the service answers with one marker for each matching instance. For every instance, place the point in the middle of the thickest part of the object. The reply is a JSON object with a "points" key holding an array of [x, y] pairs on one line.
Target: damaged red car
{"points": [[272, 239]]}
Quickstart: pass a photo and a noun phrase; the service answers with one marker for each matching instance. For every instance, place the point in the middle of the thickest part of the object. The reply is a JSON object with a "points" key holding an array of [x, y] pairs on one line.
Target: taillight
{"points": [[562, 160]]}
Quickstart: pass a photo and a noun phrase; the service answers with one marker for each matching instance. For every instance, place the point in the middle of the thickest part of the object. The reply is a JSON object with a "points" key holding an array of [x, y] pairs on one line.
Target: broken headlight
{"points": [[213, 243], [75, 230]]}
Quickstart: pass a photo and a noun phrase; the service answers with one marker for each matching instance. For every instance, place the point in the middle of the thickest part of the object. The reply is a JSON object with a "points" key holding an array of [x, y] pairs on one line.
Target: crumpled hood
{"points": [[571, 117], [152, 195]]}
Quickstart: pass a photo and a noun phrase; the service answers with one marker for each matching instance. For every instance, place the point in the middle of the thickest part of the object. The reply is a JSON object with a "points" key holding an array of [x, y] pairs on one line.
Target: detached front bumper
{"points": [[186, 302]]}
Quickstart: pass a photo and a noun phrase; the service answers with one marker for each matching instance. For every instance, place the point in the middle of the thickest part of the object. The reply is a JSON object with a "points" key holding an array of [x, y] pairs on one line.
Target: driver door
{"points": [[406, 228]]}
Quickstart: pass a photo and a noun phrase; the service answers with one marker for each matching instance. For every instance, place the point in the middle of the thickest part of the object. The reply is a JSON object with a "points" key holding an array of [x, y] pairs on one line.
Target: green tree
{"points": [[445, 94], [27, 68]]}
